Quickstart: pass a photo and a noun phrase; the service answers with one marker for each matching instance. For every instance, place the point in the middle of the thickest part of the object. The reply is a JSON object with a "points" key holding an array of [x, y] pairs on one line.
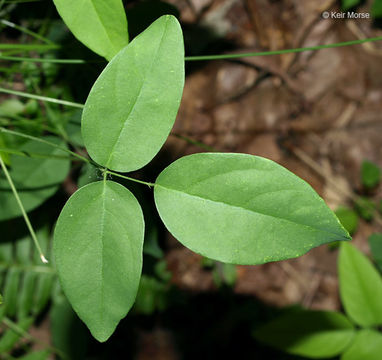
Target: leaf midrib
{"points": [[112, 152], [102, 290], [104, 29], [251, 211], [362, 285]]}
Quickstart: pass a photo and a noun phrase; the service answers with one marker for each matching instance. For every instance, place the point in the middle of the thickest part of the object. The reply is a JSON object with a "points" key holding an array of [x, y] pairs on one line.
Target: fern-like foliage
{"points": [[26, 286]]}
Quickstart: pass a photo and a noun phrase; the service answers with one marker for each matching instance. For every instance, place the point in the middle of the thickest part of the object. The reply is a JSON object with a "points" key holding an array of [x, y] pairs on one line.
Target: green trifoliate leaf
{"points": [[313, 334], [360, 287], [98, 251], [100, 25], [242, 209], [36, 178], [133, 104], [367, 345]]}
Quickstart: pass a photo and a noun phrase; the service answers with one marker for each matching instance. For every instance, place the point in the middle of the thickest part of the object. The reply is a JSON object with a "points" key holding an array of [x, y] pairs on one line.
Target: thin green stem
{"points": [[15, 51], [279, 52], [29, 47], [193, 142], [41, 269], [17, 329], [20, 1], [197, 58], [128, 178], [21, 206], [30, 137], [43, 60], [34, 155], [19, 120], [26, 31], [42, 98]]}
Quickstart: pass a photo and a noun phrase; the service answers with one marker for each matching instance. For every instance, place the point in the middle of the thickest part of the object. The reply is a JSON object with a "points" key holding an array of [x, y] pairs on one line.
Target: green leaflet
{"points": [[376, 9], [69, 334], [89, 173], [36, 179], [348, 4], [370, 174], [314, 334], [133, 104], [100, 25], [152, 295], [367, 345], [242, 209], [375, 243], [348, 218], [360, 287], [98, 244], [36, 355]]}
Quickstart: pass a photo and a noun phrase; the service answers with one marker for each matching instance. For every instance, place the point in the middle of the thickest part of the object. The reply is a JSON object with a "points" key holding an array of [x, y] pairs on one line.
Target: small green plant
{"points": [[325, 334], [27, 287], [232, 208]]}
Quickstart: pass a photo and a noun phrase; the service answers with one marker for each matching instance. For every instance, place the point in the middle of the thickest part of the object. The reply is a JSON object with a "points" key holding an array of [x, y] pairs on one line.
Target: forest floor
{"points": [[317, 113]]}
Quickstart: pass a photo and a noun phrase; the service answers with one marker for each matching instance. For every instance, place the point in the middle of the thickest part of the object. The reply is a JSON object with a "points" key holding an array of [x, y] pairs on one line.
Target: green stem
{"points": [[279, 52], [26, 31], [194, 142], [34, 155], [19, 1], [29, 47], [30, 137], [41, 269], [21, 206], [17, 329], [43, 60], [207, 57], [129, 178], [42, 98]]}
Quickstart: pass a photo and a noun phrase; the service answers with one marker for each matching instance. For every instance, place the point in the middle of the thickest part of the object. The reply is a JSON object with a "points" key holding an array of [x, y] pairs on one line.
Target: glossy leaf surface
{"points": [[98, 251], [100, 25], [242, 209], [133, 104]]}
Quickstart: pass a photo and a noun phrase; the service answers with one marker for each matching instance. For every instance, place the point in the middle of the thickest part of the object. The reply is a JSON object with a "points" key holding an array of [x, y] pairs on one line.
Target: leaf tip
{"points": [[102, 336], [44, 259]]}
